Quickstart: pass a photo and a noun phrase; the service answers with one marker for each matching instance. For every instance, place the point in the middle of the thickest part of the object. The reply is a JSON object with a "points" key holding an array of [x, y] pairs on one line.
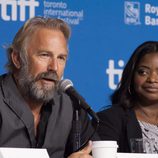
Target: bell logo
{"points": [[10, 9]]}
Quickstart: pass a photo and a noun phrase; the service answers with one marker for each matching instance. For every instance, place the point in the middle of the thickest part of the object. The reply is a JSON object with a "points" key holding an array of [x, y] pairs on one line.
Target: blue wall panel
{"points": [[104, 34]]}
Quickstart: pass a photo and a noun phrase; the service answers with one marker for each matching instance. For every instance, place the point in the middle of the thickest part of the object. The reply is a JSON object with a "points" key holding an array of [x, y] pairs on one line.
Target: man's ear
{"points": [[16, 59]]}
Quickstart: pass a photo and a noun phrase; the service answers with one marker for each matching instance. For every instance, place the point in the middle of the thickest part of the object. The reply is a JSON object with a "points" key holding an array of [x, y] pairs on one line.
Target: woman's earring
{"points": [[129, 90]]}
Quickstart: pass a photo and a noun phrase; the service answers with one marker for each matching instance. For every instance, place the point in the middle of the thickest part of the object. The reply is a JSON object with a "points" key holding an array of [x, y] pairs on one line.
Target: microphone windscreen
{"points": [[65, 84]]}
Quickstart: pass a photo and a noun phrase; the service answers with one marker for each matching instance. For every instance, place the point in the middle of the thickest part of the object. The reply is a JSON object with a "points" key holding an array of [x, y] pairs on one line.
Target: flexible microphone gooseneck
{"points": [[66, 86]]}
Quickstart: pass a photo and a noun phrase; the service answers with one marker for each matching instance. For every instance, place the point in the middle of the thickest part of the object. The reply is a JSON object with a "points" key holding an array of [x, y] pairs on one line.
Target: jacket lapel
{"points": [[17, 104], [133, 127]]}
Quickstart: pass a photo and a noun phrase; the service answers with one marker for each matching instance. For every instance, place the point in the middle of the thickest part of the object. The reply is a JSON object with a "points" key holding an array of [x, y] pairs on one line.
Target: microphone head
{"points": [[64, 85]]}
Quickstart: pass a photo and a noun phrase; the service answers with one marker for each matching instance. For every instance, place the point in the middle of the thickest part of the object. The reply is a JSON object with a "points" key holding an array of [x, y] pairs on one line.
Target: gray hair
{"points": [[23, 35]]}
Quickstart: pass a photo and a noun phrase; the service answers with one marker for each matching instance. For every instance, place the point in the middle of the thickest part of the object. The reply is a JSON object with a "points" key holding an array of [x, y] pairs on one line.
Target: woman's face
{"points": [[146, 79]]}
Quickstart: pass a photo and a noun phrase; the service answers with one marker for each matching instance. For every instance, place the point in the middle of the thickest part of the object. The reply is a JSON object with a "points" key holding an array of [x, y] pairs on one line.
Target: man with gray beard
{"points": [[33, 114]]}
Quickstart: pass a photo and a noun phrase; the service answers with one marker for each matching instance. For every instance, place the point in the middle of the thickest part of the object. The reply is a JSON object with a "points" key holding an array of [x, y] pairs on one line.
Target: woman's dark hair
{"points": [[124, 94]]}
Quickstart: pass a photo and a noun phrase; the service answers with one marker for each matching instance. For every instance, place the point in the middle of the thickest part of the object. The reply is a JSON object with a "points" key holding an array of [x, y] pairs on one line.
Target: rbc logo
{"points": [[11, 8], [132, 13], [114, 74]]}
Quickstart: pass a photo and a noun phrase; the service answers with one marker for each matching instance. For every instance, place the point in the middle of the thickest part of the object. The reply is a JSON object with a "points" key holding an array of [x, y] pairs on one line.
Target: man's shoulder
{"points": [[2, 77], [2, 80]]}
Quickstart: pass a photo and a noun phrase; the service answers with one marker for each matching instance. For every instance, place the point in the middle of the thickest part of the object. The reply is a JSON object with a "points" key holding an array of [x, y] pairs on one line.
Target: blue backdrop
{"points": [[104, 34]]}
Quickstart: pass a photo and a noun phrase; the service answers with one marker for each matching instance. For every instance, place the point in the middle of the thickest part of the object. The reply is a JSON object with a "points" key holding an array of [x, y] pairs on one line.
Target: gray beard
{"points": [[33, 90]]}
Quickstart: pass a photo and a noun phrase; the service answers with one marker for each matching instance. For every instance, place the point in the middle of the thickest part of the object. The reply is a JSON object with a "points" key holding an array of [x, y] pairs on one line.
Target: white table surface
{"points": [[136, 155]]}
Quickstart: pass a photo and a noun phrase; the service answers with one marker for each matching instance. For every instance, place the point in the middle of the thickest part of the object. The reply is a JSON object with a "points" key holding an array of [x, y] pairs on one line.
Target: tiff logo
{"points": [[10, 8], [114, 74]]}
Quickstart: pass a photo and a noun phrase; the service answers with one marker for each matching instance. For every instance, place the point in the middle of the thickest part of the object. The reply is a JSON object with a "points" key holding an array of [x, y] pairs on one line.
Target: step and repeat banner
{"points": [[104, 34]]}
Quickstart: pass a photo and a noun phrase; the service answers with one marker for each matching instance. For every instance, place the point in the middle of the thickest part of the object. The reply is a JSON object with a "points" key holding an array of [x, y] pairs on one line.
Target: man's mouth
{"points": [[49, 79]]}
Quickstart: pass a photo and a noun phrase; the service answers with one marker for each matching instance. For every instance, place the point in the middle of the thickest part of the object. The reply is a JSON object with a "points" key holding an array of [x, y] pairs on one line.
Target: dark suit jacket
{"points": [[120, 125], [17, 122]]}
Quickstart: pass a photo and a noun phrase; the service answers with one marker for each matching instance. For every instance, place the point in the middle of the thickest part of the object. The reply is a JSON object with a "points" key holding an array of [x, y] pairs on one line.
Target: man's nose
{"points": [[53, 64]]}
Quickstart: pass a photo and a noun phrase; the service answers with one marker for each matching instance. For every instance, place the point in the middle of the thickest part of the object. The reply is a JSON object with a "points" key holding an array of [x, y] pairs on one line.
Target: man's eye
{"points": [[44, 54], [62, 58]]}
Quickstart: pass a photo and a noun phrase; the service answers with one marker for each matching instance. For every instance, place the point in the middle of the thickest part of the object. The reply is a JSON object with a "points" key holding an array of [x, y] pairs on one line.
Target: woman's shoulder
{"points": [[114, 111]]}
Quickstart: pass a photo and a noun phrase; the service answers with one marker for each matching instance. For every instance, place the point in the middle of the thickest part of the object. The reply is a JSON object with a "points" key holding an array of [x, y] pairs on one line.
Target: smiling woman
{"points": [[146, 81], [134, 113]]}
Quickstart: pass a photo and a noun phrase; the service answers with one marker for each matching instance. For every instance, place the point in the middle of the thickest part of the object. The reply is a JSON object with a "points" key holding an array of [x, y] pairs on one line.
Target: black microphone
{"points": [[67, 86]]}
